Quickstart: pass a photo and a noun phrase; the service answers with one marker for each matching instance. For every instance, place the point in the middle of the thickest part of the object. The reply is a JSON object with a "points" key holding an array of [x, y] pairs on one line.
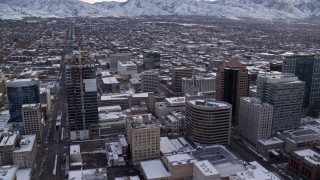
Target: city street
{"points": [[242, 151], [52, 143]]}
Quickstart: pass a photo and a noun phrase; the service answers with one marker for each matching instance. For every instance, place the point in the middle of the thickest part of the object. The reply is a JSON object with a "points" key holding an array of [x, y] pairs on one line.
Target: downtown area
{"points": [[159, 98]]}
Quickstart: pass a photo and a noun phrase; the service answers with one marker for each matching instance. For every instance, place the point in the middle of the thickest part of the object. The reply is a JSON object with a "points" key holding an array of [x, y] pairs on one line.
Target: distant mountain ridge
{"points": [[231, 9]]}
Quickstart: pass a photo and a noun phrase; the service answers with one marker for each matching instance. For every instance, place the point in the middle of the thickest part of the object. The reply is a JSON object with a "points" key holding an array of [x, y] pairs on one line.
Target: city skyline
{"points": [[95, 1]]}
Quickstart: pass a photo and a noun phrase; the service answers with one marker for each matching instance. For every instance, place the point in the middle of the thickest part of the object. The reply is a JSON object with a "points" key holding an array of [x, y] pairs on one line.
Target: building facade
{"points": [[118, 57], [177, 74], [305, 163], [203, 84], [81, 92], [151, 60], [150, 81], [208, 121], [32, 120], [255, 119], [19, 92], [285, 93], [143, 138], [25, 155], [232, 83], [307, 68]]}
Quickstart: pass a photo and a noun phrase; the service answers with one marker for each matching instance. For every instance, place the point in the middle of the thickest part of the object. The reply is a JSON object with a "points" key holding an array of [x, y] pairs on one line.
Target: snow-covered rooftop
{"points": [[75, 149], [270, 141], [166, 146], [154, 169], [26, 143], [309, 155], [206, 168]]}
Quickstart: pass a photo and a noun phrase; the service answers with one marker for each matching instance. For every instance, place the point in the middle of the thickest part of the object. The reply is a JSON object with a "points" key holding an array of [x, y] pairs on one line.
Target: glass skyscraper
{"points": [[19, 92], [307, 68]]}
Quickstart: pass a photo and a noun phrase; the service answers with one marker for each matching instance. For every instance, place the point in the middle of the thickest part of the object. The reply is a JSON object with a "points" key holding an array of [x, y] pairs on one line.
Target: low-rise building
{"points": [[154, 170], [180, 165], [116, 151], [270, 146], [302, 137], [8, 172], [25, 155], [170, 104], [8, 144], [75, 156], [254, 171], [305, 163], [204, 170]]}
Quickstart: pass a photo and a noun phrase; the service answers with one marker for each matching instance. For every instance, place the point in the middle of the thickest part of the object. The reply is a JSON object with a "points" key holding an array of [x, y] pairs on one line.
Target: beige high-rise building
{"points": [[232, 83], [255, 119], [150, 81], [118, 57], [32, 120], [143, 137], [177, 74]]}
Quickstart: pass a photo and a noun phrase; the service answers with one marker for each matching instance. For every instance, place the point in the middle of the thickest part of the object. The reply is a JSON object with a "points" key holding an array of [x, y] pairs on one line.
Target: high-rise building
{"points": [[143, 137], [177, 74], [118, 57], [81, 92], [32, 120], [285, 93], [150, 81], [208, 121], [19, 92], [203, 84], [307, 68], [232, 83], [151, 60], [255, 119]]}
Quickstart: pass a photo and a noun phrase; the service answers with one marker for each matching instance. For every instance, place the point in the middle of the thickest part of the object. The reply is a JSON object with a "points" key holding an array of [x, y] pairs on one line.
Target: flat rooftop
{"points": [[26, 143], [304, 134], [210, 103], [270, 141], [8, 172], [166, 146], [309, 155], [216, 154], [88, 174], [177, 159], [9, 139], [75, 149], [154, 169], [206, 168]]}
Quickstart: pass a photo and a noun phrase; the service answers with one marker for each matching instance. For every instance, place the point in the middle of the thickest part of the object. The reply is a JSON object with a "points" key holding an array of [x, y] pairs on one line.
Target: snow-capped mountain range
{"points": [[232, 9]]}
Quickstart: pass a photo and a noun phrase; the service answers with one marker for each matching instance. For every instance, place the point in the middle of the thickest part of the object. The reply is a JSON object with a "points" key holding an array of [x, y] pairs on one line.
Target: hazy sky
{"points": [[93, 1]]}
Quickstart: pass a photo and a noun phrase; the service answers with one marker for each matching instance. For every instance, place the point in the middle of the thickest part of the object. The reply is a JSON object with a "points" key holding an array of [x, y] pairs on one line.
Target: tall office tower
{"points": [[208, 121], [19, 92], [307, 68], [118, 57], [177, 74], [81, 95], [255, 119], [151, 60], [32, 118], [232, 83], [150, 81], [285, 93], [143, 137], [203, 84]]}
